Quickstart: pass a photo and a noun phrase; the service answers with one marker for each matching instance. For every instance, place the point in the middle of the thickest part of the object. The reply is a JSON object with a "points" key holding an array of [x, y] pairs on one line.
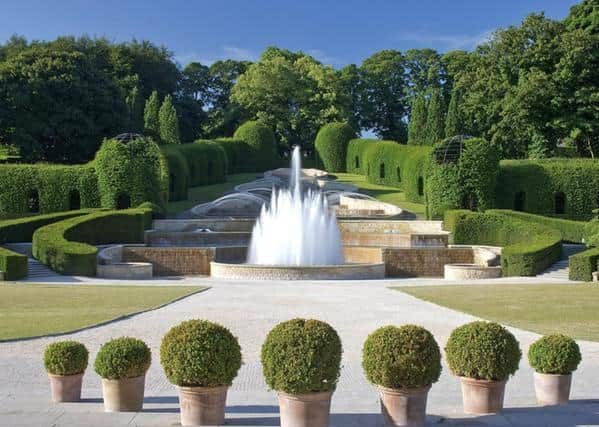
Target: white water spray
{"points": [[297, 228]]}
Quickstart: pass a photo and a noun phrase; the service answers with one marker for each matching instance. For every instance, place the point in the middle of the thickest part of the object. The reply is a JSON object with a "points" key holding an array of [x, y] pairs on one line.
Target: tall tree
{"points": [[425, 70], [435, 118], [454, 122], [151, 116], [169, 123], [350, 80], [135, 112], [417, 124]]}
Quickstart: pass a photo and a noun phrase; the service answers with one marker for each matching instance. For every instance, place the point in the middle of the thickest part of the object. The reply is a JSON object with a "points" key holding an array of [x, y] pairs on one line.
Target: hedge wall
{"points": [[262, 144], [130, 173], [13, 265], [538, 181], [331, 146], [413, 174], [22, 229], [528, 248], [66, 246], [583, 264], [178, 172], [356, 155], [207, 162], [41, 188], [239, 155]]}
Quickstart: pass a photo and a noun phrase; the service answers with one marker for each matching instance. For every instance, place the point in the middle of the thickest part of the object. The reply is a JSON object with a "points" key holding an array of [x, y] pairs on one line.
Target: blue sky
{"points": [[335, 32]]}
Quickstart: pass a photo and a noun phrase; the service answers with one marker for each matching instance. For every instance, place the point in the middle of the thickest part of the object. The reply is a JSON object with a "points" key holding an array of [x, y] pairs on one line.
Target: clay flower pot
{"points": [[305, 410], [482, 396], [404, 407], [202, 406], [66, 388], [124, 395], [552, 389]]}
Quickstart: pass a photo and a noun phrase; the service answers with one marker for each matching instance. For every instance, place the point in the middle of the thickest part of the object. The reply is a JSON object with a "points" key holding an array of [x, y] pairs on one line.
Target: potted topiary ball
{"points": [[201, 358], [122, 363], [483, 355], [403, 362], [301, 361], [554, 358], [65, 362]]}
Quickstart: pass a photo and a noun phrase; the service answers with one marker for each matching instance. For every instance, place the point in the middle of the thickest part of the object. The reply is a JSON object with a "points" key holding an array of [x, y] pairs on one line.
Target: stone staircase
{"points": [[35, 269], [560, 269]]}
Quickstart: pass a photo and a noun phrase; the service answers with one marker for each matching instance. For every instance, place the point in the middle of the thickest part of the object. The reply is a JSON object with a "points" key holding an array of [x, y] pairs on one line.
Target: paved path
{"points": [[250, 310]]}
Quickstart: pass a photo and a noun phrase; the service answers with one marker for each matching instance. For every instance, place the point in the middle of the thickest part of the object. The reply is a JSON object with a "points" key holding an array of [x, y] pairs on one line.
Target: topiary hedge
{"points": [[483, 351], [66, 246], [401, 357], [207, 162], [65, 358], [178, 172], [356, 155], [554, 354], [122, 358], [22, 229], [262, 144], [130, 173], [331, 146], [301, 356], [12, 264], [583, 264], [238, 155], [528, 248], [201, 354]]}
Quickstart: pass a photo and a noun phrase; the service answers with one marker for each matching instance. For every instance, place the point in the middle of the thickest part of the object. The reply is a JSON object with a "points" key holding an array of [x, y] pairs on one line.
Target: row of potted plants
{"points": [[301, 361]]}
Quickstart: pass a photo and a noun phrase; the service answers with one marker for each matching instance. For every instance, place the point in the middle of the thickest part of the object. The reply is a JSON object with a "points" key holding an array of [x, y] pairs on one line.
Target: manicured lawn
{"points": [[569, 309], [207, 193], [31, 310], [383, 193]]}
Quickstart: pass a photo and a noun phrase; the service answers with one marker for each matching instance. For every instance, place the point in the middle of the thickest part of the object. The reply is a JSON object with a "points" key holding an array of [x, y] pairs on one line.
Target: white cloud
{"points": [[226, 52], [324, 57], [449, 41]]}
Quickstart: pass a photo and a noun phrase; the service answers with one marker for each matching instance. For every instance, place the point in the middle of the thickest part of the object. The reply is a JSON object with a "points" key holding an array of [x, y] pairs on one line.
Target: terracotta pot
{"points": [[305, 410], [202, 406], [552, 389], [125, 395], [482, 396], [404, 407], [66, 388]]}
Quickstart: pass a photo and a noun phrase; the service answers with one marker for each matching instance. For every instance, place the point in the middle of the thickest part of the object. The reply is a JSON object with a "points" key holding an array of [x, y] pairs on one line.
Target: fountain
{"points": [[297, 228]]}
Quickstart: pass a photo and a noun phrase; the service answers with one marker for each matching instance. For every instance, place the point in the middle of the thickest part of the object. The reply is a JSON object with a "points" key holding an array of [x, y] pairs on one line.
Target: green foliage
{"points": [[435, 118], [178, 172], [401, 357], [151, 116], [454, 121], [200, 353], [157, 212], [356, 161], [528, 248], [68, 246], [169, 123], [22, 229], [483, 351], [130, 172], [261, 142], [583, 264], [66, 358], [414, 183], [206, 161], [417, 124], [12, 264], [238, 155], [331, 145], [301, 356], [122, 358], [554, 354], [539, 148]]}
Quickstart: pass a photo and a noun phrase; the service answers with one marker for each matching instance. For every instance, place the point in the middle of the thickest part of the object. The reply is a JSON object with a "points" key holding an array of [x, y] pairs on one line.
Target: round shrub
{"points": [[66, 358], [554, 354], [401, 357], [261, 140], [200, 353], [302, 356], [122, 358], [331, 145], [483, 351]]}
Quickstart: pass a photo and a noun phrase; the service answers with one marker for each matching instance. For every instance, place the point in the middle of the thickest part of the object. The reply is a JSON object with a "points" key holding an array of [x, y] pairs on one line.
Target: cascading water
{"points": [[296, 229]]}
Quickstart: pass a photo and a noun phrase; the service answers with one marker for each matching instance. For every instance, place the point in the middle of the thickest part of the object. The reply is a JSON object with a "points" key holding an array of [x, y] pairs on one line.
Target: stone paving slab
{"points": [[250, 310]]}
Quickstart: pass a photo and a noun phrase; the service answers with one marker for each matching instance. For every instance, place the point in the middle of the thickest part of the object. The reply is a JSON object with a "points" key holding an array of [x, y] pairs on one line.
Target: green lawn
{"points": [[383, 193], [207, 193], [569, 309], [32, 310]]}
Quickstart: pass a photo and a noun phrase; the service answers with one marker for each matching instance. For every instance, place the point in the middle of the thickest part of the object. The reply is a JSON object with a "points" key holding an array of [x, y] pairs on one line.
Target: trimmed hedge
{"points": [[528, 248], [331, 146], [540, 180], [21, 230], [122, 358], [66, 358], [178, 172], [555, 354], [42, 188], [207, 162], [12, 264], [238, 155], [262, 143], [583, 264], [66, 246], [356, 155]]}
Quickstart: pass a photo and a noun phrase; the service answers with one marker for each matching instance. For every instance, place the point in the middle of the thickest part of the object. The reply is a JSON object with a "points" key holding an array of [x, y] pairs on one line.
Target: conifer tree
{"points": [[169, 123]]}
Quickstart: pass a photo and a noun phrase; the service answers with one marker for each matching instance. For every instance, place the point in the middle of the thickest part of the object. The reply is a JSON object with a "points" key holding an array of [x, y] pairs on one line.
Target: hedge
{"points": [[178, 172], [528, 248], [261, 141], [539, 181], [331, 146], [22, 229], [238, 155], [356, 155], [583, 264], [66, 246], [130, 173], [207, 162], [12, 264], [43, 188]]}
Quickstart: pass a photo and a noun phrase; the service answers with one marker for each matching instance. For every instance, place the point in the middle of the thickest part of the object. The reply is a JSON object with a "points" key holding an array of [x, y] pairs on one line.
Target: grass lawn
{"points": [[392, 195], [207, 193], [569, 309], [32, 310]]}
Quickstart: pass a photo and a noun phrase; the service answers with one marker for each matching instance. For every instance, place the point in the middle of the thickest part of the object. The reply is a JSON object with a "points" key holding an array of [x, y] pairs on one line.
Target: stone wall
{"points": [[195, 238], [396, 226], [172, 261], [399, 240], [423, 262]]}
